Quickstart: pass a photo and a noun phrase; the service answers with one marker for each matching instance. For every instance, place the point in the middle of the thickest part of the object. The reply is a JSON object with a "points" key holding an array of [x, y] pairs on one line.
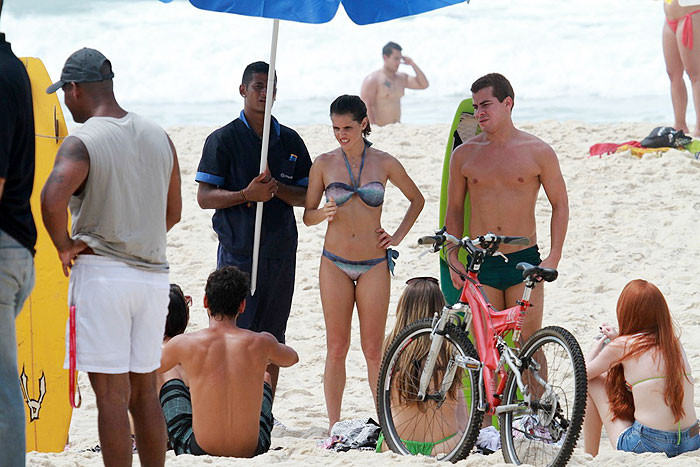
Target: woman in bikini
{"points": [[356, 253], [429, 428], [639, 385], [681, 44]]}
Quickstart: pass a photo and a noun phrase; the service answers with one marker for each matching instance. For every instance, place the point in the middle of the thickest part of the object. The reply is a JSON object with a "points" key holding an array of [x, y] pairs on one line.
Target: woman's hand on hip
{"points": [[385, 240]]}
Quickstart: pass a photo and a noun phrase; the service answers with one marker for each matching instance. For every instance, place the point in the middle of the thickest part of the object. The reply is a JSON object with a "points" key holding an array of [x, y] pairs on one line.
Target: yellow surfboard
{"points": [[41, 324]]}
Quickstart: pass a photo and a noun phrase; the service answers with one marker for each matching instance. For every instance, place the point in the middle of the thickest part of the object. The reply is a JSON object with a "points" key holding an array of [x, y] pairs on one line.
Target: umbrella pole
{"points": [[263, 155]]}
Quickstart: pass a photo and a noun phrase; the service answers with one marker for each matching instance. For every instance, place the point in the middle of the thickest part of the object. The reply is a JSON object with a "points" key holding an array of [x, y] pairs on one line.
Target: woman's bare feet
{"points": [[683, 127]]}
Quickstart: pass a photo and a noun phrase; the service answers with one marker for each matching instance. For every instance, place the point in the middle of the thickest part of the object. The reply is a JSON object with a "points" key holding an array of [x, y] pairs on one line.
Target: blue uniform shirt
{"points": [[230, 160]]}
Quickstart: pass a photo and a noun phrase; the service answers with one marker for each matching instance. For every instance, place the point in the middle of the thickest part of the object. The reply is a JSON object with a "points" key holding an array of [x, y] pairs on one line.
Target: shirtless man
{"points": [[382, 89], [229, 400], [502, 169]]}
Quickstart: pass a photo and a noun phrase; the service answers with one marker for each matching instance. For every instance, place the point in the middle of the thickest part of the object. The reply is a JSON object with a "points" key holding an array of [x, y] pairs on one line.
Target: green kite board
{"points": [[464, 127]]}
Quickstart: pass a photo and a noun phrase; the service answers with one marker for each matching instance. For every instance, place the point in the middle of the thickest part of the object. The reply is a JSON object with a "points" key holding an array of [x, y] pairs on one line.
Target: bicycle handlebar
{"points": [[432, 240], [468, 243]]}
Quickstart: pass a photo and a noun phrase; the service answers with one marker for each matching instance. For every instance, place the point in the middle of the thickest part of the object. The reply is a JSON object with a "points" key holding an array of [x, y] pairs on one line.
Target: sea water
{"points": [[592, 60]]}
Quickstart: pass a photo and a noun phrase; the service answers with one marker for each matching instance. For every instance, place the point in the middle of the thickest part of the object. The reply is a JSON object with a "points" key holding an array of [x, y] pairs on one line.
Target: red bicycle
{"points": [[435, 387]]}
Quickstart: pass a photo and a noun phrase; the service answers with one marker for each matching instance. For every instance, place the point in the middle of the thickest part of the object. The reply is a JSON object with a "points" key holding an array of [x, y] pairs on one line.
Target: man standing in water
{"points": [[502, 170], [119, 172], [230, 181], [382, 89]]}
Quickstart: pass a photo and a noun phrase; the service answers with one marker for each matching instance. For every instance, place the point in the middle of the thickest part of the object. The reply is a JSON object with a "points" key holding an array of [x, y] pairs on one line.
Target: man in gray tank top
{"points": [[119, 175]]}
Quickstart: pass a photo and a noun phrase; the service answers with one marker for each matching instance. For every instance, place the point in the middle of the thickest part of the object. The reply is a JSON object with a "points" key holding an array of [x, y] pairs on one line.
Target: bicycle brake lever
{"points": [[425, 252], [498, 253]]}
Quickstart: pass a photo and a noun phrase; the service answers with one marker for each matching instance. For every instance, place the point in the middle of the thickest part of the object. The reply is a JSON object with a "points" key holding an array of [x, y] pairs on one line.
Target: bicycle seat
{"points": [[536, 272]]}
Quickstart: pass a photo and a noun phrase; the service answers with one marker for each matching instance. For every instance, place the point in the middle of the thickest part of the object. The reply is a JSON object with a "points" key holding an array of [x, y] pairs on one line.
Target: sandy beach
{"points": [[629, 218]]}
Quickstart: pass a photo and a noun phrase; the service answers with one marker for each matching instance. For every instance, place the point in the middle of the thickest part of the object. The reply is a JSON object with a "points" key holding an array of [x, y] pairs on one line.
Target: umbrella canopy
{"points": [[308, 11], [321, 11]]}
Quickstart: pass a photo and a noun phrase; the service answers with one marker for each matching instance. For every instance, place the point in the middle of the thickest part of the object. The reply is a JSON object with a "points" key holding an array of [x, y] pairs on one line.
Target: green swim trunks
{"points": [[496, 273], [176, 401]]}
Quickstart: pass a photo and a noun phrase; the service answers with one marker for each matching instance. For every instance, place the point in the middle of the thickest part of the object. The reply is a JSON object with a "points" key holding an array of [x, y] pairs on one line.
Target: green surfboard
{"points": [[464, 127]]}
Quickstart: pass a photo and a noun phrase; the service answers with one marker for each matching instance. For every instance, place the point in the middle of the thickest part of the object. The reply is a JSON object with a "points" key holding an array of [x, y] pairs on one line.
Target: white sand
{"points": [[630, 218]]}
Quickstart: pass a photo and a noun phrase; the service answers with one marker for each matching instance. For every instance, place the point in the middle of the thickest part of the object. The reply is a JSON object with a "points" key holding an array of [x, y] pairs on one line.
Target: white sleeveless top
{"points": [[121, 211]]}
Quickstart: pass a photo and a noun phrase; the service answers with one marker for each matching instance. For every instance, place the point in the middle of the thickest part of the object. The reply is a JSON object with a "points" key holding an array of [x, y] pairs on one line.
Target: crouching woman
{"points": [[639, 385]]}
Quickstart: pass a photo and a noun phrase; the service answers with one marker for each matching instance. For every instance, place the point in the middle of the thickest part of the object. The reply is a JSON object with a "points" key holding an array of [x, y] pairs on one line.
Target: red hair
{"points": [[642, 309]]}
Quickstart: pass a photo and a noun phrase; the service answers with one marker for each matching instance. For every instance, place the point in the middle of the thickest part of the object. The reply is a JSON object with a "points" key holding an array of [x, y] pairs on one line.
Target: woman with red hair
{"points": [[639, 385]]}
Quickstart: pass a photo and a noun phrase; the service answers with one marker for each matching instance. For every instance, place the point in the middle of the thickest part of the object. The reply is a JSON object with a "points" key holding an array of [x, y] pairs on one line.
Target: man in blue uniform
{"points": [[230, 182]]}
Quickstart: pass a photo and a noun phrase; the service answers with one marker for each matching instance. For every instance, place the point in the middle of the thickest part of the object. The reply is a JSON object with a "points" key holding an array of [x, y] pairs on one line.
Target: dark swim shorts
{"points": [[496, 273], [176, 402]]}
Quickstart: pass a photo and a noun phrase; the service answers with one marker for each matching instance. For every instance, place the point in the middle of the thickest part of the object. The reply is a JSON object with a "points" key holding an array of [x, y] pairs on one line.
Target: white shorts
{"points": [[120, 316]]}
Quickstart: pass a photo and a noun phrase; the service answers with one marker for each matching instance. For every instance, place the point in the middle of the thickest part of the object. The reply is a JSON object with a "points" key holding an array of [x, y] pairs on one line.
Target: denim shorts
{"points": [[639, 438]]}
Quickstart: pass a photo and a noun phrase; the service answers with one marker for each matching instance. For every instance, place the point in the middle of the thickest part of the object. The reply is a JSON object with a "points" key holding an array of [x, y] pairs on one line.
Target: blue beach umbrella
{"points": [[361, 12]]}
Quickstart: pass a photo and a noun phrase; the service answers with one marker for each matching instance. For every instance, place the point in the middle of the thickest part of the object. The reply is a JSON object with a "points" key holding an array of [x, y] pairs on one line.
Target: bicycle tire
{"points": [[445, 420], [546, 433]]}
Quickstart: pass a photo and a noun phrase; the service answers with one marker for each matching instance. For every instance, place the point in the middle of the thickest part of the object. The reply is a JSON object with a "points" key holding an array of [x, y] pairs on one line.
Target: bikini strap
{"points": [[355, 185]]}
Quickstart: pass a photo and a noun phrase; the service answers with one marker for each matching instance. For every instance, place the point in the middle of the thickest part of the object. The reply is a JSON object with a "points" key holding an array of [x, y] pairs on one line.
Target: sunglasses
{"points": [[422, 278], [188, 300]]}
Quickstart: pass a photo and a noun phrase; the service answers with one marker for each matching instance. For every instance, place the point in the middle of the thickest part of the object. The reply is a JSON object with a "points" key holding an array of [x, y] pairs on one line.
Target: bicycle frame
{"points": [[489, 326]]}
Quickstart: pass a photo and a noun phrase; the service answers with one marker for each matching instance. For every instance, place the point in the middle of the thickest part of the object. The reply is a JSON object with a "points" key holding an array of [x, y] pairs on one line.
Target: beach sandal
{"points": [[97, 447]]}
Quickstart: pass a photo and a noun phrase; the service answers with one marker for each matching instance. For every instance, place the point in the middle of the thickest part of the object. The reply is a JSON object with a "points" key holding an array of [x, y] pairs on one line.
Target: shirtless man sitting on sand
{"points": [[229, 402], [382, 90], [503, 169]]}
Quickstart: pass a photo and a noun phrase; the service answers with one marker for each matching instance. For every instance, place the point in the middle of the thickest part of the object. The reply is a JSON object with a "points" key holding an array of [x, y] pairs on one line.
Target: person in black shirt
{"points": [[230, 182], [17, 239]]}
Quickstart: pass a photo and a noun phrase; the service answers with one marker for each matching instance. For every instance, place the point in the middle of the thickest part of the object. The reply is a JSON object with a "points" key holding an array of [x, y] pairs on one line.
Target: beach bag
{"points": [[666, 137]]}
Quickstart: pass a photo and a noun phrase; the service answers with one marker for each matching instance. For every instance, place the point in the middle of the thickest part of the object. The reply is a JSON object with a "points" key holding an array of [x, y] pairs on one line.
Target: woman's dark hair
{"points": [[351, 105], [178, 312]]}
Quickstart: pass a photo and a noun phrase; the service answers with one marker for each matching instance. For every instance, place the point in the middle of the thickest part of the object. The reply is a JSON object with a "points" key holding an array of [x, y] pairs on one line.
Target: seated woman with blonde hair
{"points": [[639, 385], [429, 428]]}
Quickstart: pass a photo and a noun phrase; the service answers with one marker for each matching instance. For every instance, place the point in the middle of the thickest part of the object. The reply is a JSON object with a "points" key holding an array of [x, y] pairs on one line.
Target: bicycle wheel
{"points": [[554, 373], [444, 426]]}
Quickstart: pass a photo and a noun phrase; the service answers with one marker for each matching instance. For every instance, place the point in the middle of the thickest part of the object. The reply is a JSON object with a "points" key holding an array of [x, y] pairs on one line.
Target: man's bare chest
{"points": [[501, 173], [390, 88]]}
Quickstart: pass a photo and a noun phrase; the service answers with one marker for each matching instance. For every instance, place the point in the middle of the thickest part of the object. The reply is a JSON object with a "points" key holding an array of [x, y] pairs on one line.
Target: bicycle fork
{"points": [[437, 337]]}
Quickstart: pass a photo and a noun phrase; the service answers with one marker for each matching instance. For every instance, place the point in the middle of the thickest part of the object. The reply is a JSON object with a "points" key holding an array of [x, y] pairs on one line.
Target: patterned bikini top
{"points": [[372, 193]]}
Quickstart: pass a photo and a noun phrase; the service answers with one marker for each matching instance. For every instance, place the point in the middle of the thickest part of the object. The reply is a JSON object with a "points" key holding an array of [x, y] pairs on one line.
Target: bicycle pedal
{"points": [[468, 363]]}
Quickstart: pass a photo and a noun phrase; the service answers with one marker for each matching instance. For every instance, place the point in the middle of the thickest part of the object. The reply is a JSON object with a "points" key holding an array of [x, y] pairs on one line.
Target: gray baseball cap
{"points": [[82, 66]]}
